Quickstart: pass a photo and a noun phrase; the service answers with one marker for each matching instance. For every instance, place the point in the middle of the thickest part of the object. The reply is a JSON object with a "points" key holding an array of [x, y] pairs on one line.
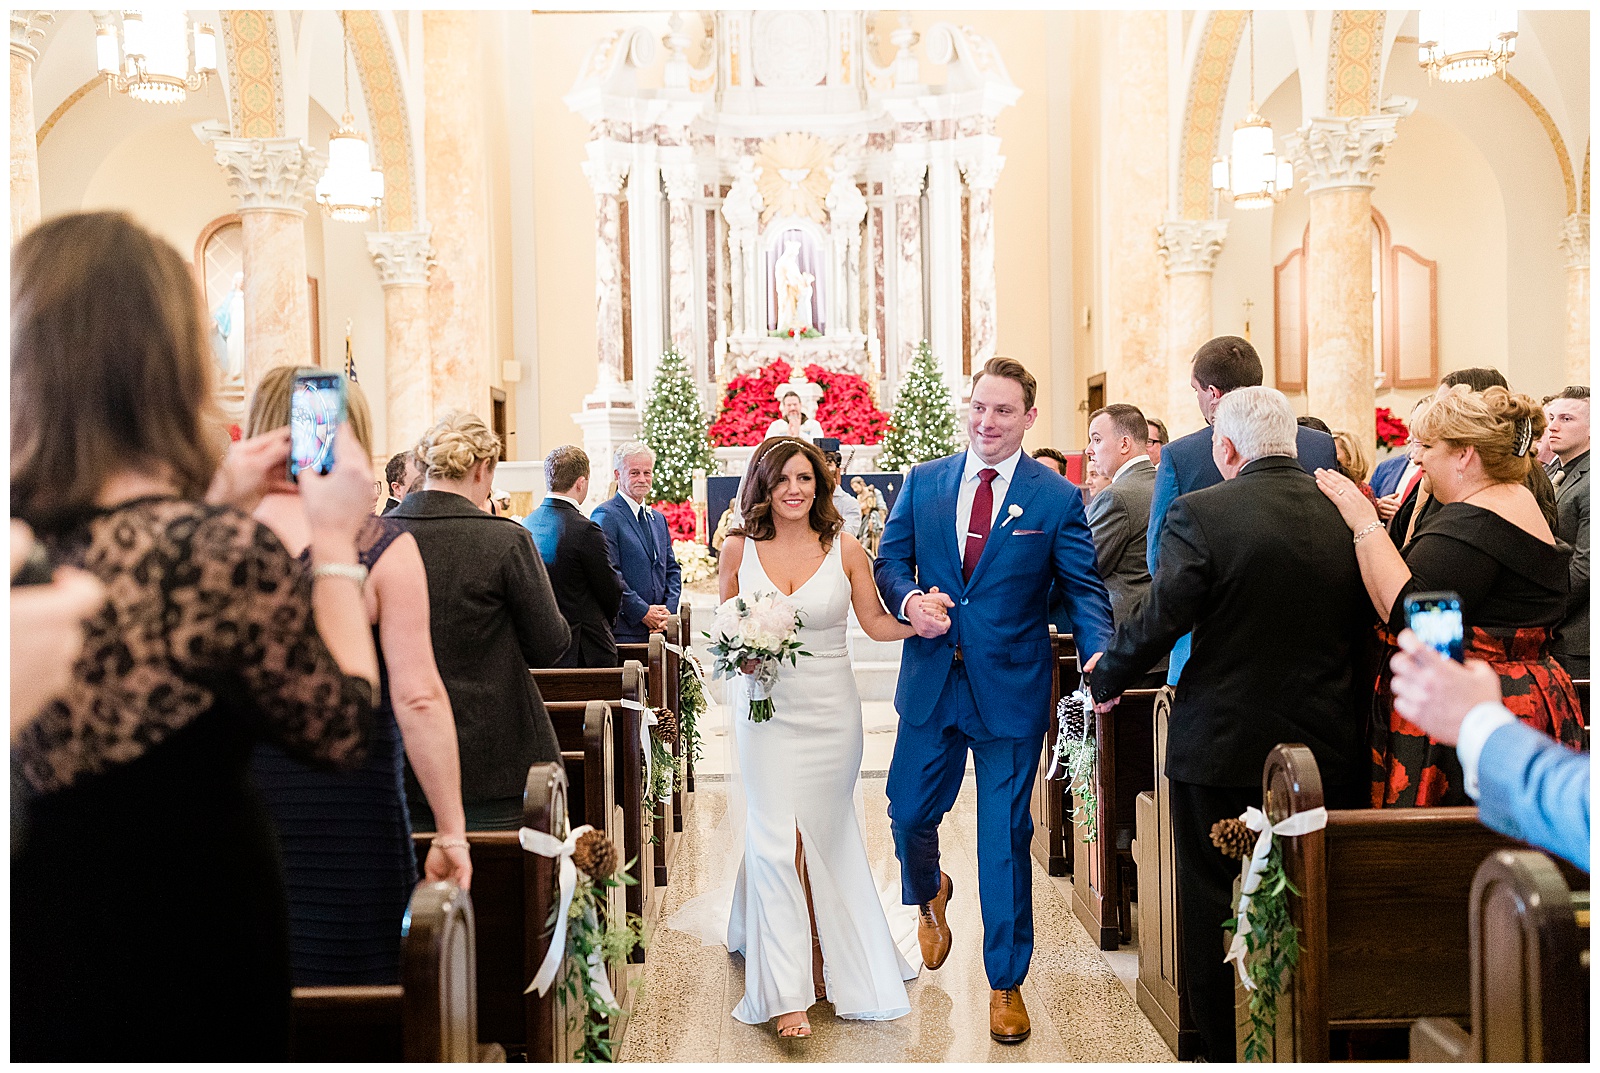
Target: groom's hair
{"points": [[766, 470], [1010, 369]]}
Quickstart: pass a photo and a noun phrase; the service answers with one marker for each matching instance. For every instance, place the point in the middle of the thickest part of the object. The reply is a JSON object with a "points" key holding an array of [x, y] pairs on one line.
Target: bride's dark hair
{"points": [[766, 470]]}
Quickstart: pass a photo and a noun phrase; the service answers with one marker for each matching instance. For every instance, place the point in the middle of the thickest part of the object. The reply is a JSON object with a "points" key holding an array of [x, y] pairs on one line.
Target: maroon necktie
{"points": [[978, 526]]}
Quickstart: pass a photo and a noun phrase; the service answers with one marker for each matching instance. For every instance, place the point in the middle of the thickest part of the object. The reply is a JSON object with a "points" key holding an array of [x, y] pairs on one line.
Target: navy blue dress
{"points": [[348, 866]]}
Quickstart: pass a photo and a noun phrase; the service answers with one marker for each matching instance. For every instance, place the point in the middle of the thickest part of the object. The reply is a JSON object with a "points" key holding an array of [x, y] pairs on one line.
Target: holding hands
{"points": [[929, 614]]}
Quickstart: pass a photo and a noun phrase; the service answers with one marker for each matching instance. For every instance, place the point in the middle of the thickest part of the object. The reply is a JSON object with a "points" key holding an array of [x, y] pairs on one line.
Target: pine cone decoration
{"points": [[1233, 838], [667, 726], [1072, 715], [594, 855]]}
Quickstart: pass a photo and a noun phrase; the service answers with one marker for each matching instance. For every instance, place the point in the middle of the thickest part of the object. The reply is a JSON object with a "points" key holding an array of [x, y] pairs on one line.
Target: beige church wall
{"points": [[1084, 117]]}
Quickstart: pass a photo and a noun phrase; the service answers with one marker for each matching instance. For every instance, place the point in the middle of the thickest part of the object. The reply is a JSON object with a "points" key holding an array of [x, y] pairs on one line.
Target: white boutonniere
{"points": [[1012, 514]]}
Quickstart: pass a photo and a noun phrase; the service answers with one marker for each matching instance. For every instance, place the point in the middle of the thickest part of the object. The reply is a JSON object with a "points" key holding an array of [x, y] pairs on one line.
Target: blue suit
{"points": [[1385, 479], [1532, 787], [1187, 466], [643, 556], [996, 700]]}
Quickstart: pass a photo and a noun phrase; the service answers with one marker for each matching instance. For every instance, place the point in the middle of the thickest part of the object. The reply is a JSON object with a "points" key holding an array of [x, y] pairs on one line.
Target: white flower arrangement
{"points": [[695, 560]]}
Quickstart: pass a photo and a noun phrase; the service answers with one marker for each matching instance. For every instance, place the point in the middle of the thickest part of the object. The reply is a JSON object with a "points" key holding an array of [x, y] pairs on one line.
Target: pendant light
{"points": [[1461, 45], [153, 57], [351, 189], [1252, 175]]}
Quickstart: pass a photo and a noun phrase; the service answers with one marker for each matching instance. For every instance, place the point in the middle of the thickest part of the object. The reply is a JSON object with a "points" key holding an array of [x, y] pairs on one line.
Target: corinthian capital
{"points": [[26, 28], [905, 178], [605, 177], [1575, 240], [402, 257], [1190, 245], [682, 181], [981, 173], [270, 174], [1341, 152]]}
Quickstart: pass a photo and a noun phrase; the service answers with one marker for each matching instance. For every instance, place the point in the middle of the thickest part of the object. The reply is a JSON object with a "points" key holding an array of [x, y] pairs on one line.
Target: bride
{"points": [[806, 913]]}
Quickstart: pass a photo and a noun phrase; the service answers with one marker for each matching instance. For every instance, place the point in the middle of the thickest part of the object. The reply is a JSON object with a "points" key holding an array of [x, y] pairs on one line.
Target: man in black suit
{"points": [[587, 586], [1568, 415], [401, 475], [1262, 570]]}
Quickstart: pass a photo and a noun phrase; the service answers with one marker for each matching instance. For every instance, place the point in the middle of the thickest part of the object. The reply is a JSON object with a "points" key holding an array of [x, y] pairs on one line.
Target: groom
{"points": [[968, 558]]}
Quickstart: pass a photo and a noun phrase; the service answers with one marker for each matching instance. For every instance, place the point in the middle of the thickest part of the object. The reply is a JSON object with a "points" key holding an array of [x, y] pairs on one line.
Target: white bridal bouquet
{"points": [[765, 629]]}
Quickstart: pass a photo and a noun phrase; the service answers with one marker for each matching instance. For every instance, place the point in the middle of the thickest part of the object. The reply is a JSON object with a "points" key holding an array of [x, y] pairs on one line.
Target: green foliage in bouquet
{"points": [[675, 428], [923, 426], [1272, 951]]}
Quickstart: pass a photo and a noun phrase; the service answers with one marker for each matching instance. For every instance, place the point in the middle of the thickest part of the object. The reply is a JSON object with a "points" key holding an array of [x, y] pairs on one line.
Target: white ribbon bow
{"points": [[549, 846], [1061, 727], [1301, 823], [647, 719]]}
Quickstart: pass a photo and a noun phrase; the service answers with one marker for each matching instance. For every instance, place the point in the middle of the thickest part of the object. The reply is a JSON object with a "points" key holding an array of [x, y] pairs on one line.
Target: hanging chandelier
{"points": [[1252, 175], [351, 189], [1463, 45], [152, 57]]}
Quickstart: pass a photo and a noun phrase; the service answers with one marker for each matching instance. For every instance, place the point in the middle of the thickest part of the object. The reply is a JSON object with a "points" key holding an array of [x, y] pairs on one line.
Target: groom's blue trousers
{"points": [[924, 779]]}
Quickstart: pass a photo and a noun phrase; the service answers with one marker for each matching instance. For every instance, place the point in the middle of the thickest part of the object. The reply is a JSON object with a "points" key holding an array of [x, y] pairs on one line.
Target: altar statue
{"points": [[794, 290], [228, 321], [725, 525], [872, 515]]}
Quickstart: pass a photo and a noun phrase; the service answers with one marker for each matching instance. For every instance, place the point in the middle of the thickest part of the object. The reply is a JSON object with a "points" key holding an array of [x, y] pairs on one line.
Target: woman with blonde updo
{"points": [[344, 925], [1487, 542], [493, 615]]}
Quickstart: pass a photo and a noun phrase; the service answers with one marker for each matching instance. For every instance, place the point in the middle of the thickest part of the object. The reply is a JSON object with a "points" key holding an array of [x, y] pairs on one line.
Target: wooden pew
{"points": [[1528, 936], [1382, 910], [686, 640], [1159, 990], [1103, 873], [588, 750], [515, 893], [616, 684], [661, 688], [1052, 836]]}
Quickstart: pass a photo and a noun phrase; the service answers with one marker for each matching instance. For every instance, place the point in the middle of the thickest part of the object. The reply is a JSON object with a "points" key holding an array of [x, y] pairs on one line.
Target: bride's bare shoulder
{"points": [[732, 553]]}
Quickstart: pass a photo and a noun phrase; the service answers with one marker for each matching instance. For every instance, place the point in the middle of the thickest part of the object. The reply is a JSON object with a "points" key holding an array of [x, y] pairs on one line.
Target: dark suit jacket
{"points": [[389, 505], [587, 587], [492, 616], [1572, 526], [1118, 520], [650, 573], [1186, 466], [1262, 570]]}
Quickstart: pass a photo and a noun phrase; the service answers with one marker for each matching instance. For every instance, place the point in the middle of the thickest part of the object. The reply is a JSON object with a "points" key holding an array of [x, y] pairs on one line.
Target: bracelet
{"points": [[1368, 529], [449, 841], [349, 571]]}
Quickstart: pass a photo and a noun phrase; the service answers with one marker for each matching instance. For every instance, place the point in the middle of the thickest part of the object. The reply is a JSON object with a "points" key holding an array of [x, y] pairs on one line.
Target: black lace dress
{"points": [[147, 905], [348, 865]]}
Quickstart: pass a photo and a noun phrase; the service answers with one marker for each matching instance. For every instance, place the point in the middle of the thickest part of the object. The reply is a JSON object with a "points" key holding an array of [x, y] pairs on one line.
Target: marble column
{"points": [[683, 184], [981, 174], [606, 180], [1575, 253], [1339, 159], [1136, 203], [26, 28], [741, 209], [906, 185], [273, 180], [847, 208], [402, 259], [459, 339], [1189, 250]]}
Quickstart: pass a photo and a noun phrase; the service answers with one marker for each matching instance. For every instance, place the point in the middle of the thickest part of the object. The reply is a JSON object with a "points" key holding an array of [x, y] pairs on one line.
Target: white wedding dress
{"points": [[800, 771]]}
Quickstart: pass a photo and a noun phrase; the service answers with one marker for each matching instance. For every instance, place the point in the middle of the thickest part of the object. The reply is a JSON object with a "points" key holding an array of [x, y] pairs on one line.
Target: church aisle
{"points": [[1080, 1011]]}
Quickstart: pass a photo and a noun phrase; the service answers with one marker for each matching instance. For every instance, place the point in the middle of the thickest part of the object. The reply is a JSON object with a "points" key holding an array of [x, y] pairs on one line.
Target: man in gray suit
{"points": [[1120, 515], [1568, 436]]}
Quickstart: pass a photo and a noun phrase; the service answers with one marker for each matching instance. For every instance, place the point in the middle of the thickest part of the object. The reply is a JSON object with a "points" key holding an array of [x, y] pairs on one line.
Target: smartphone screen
{"points": [[316, 409], [1435, 617]]}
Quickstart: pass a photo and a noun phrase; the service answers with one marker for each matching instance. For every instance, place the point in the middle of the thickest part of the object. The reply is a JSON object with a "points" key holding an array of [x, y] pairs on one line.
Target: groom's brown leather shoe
{"points": [[933, 933], [1008, 1017]]}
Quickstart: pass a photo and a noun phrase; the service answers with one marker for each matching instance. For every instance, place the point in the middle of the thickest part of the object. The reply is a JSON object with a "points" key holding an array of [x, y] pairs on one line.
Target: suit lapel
{"points": [[947, 491], [1020, 490]]}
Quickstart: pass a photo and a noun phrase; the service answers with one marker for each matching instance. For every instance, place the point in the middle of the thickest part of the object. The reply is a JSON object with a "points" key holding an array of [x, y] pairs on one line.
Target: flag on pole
{"points": [[349, 356]]}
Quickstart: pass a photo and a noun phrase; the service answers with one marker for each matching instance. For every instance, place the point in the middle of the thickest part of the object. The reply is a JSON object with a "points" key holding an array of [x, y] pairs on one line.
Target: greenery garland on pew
{"points": [[664, 767], [1075, 749], [691, 705], [1273, 943], [588, 934]]}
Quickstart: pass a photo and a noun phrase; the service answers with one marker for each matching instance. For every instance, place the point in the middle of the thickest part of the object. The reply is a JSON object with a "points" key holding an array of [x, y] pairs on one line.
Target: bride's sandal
{"points": [[797, 1028]]}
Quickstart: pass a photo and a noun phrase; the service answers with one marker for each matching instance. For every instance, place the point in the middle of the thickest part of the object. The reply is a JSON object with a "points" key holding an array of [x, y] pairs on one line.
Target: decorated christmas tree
{"points": [[675, 428], [923, 426]]}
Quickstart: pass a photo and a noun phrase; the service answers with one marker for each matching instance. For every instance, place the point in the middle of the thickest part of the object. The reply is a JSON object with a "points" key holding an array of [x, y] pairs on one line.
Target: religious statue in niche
{"points": [[228, 338], [794, 288], [872, 515]]}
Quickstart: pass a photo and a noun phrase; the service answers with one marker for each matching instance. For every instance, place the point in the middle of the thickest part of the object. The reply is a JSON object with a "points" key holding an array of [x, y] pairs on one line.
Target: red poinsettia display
{"points": [[750, 405], [680, 518], [1392, 431]]}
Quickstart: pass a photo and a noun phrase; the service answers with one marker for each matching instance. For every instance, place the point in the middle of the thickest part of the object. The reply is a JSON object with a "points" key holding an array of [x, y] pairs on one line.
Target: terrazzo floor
{"points": [[1079, 1002]]}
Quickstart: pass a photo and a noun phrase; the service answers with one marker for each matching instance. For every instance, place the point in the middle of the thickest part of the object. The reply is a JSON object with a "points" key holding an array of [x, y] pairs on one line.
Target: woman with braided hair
{"points": [[1487, 542]]}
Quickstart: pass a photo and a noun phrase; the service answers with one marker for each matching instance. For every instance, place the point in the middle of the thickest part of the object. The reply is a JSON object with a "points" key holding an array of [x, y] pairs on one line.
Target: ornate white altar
{"points": [[781, 179]]}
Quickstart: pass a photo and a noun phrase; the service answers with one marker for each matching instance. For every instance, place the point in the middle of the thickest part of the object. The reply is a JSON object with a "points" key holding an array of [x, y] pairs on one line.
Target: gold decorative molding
{"points": [[793, 176], [1355, 57], [1556, 143], [386, 109], [254, 75], [66, 106], [1202, 121]]}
